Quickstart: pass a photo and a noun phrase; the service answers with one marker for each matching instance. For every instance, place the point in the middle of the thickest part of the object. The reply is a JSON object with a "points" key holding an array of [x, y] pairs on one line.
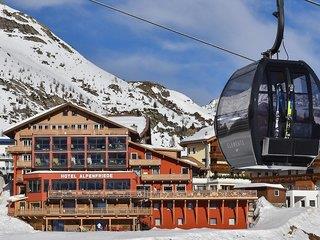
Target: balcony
{"points": [[221, 194], [144, 162], [96, 194], [165, 177], [19, 149], [23, 164], [76, 212]]}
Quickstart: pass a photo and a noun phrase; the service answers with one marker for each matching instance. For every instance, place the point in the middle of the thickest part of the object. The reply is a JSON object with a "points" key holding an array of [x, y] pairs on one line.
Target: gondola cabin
{"points": [[269, 114]]}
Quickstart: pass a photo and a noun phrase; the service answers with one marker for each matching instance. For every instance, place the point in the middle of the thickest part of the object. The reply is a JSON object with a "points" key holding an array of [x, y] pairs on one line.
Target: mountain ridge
{"points": [[40, 70]]}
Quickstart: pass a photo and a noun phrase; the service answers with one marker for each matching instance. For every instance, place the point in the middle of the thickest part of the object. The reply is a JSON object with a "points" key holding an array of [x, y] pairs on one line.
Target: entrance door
{"points": [[58, 225]]}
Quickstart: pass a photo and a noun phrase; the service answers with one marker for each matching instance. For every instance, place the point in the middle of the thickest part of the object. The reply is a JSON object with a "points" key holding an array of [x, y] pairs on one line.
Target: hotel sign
{"points": [[86, 175]]}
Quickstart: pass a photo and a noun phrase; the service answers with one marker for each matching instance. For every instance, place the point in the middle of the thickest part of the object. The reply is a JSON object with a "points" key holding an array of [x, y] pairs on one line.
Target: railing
{"points": [[220, 194], [23, 164], [19, 149], [144, 162], [224, 168], [165, 177], [287, 178], [83, 212], [96, 194]]}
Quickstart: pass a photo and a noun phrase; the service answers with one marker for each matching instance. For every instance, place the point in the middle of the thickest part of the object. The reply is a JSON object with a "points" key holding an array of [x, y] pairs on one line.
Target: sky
{"points": [[136, 51]]}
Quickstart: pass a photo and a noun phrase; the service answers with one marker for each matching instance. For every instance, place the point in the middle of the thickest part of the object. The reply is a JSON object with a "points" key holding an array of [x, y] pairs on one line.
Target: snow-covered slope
{"points": [[10, 225], [39, 70], [272, 224]]}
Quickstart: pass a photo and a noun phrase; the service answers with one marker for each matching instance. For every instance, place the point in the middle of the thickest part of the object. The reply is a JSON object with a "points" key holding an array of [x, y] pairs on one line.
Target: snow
{"points": [[259, 185], [204, 134], [10, 225], [271, 224], [33, 71], [137, 124]]}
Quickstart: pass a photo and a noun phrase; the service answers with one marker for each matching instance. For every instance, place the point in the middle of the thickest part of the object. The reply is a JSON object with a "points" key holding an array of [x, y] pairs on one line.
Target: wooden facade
{"points": [[80, 171]]}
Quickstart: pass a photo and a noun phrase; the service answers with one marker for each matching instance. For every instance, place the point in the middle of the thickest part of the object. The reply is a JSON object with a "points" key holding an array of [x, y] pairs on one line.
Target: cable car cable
{"points": [[313, 2], [171, 30]]}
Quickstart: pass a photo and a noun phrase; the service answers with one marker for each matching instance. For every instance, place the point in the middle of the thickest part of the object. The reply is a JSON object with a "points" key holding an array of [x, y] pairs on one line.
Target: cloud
{"points": [[38, 4]]}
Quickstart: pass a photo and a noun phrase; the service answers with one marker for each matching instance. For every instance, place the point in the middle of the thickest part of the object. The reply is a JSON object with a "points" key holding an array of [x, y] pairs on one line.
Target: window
{"points": [[193, 150], [148, 155], [53, 127], [117, 143], [213, 204], [180, 221], [231, 205], [34, 127], [74, 113], [42, 160], [96, 143], [27, 142], [90, 184], [155, 170], [35, 186], [143, 187], [73, 126], [59, 143], [26, 157], [189, 151], [40, 127], [117, 160], [46, 127], [303, 203], [77, 160], [137, 171], [312, 203], [190, 205], [85, 126], [96, 126], [185, 170], [35, 205], [232, 221], [134, 156], [46, 185], [276, 193], [79, 127], [156, 206], [59, 127], [167, 188], [59, 160], [77, 144], [181, 188], [65, 126], [213, 221], [157, 222], [64, 185], [42, 144], [169, 205], [96, 159], [65, 113], [120, 184]]}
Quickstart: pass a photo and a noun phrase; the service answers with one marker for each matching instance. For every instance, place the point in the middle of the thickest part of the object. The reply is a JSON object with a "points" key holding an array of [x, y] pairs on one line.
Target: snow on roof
{"points": [[259, 185], [273, 167], [204, 134], [160, 148], [137, 124]]}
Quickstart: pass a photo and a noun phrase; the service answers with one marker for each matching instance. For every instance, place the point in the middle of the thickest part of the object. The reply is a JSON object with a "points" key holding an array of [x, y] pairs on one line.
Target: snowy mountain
{"points": [[39, 71]]}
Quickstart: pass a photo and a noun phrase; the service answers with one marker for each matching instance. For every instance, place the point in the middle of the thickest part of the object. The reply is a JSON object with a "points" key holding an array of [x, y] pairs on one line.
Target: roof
{"points": [[194, 161], [203, 135], [57, 108], [160, 148], [259, 185], [151, 149], [138, 124]]}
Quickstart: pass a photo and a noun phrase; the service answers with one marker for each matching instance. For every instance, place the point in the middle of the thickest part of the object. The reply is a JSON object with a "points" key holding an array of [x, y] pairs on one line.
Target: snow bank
{"points": [[10, 225]]}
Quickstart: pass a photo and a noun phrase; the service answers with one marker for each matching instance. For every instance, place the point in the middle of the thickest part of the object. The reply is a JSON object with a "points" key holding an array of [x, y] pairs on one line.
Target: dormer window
{"points": [[148, 155]]}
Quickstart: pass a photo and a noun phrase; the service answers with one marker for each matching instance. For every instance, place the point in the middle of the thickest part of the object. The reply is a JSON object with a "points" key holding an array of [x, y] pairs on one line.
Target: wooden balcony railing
{"points": [[23, 164], [220, 194], [220, 168], [144, 162], [134, 211], [165, 177], [287, 178], [95, 194], [19, 149]]}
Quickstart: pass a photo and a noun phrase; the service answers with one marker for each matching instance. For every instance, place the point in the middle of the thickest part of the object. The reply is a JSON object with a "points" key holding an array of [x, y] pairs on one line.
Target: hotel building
{"points": [[77, 170]]}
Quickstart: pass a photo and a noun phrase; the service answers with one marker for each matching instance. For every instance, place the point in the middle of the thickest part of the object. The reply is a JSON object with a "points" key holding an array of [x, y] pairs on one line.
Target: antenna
{"points": [[279, 14]]}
